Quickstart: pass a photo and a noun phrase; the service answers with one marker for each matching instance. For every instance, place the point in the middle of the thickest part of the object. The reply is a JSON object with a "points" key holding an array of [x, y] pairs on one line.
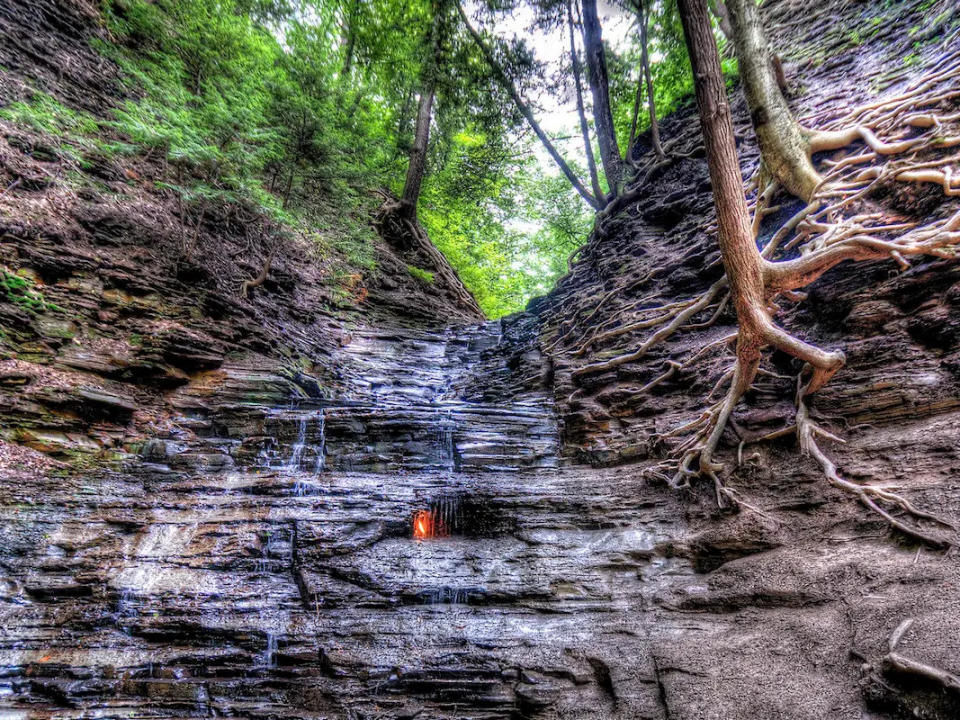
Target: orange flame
{"points": [[427, 525], [422, 524]]}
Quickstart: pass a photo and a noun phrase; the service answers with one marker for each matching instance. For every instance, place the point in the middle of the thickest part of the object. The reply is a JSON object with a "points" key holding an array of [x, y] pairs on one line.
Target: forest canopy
{"points": [[308, 110]]}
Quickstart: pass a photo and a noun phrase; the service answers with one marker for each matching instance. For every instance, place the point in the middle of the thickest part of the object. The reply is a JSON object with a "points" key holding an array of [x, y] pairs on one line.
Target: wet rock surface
{"points": [[285, 584], [301, 505], [206, 581]]}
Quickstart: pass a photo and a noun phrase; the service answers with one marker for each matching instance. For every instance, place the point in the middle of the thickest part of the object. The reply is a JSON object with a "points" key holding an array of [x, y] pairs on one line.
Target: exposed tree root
{"points": [[788, 146], [820, 225], [869, 495], [893, 663], [261, 278], [600, 305], [694, 456], [672, 319], [907, 135], [896, 663], [914, 109]]}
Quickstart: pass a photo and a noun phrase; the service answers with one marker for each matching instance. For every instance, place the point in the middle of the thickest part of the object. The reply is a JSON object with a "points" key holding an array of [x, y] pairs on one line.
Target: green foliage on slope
{"points": [[305, 109]]}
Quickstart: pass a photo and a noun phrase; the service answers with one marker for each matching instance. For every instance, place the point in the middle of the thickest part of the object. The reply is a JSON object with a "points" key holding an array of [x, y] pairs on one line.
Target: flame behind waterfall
{"points": [[427, 525], [445, 516]]}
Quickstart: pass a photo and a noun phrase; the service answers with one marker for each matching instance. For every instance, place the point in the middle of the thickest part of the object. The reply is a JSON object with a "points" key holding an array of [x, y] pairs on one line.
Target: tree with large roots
{"points": [[827, 232], [786, 146]]}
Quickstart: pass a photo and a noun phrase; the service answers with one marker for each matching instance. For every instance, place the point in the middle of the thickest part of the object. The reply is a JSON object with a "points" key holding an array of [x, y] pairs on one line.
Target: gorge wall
{"points": [[115, 294], [352, 499]]}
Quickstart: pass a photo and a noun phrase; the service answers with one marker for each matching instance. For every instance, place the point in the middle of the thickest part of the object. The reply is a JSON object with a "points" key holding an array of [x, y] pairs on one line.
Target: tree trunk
{"points": [[651, 103], [784, 143], [402, 121], [635, 115], [584, 126], [748, 273], [417, 166], [720, 12], [599, 86], [741, 259], [351, 40], [753, 280], [286, 192], [528, 113]]}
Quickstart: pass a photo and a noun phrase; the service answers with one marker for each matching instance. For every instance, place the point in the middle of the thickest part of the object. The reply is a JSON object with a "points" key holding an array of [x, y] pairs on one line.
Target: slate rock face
{"points": [[204, 581], [289, 585], [298, 509], [47, 47]]}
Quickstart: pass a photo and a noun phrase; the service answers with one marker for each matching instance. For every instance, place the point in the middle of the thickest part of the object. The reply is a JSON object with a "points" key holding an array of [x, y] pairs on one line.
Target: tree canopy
{"points": [[308, 109]]}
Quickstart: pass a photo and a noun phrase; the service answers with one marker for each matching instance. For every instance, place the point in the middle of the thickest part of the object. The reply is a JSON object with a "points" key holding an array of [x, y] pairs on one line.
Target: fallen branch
{"points": [[896, 663]]}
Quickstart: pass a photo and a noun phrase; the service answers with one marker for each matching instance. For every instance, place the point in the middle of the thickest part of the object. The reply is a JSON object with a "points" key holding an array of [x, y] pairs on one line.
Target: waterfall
{"points": [[447, 512], [263, 563], [296, 452], [270, 651], [322, 445], [308, 441], [447, 595], [302, 487], [445, 427]]}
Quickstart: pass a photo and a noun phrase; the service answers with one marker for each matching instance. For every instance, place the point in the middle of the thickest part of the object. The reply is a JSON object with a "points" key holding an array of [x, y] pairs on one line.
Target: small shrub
{"points": [[46, 114], [424, 276]]}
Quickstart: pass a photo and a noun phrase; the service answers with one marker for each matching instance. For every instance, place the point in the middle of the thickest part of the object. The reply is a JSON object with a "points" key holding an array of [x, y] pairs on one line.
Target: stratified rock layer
{"points": [[319, 507], [217, 579]]}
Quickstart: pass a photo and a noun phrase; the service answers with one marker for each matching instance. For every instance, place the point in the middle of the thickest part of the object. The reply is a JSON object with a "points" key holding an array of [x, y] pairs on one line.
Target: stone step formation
{"points": [[395, 549], [401, 406]]}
